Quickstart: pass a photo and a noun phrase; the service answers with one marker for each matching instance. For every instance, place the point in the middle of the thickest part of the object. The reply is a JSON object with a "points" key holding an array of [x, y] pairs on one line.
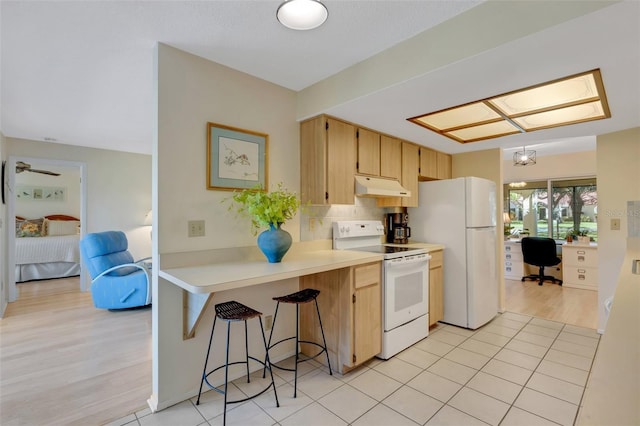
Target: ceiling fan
{"points": [[24, 167]]}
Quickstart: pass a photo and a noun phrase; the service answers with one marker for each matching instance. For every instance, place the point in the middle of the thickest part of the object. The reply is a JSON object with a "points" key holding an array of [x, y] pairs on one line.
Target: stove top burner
{"points": [[390, 252], [383, 249], [366, 236]]}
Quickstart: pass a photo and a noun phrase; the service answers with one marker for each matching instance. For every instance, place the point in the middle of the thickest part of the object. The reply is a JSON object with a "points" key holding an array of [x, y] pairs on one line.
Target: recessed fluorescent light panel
{"points": [[574, 99]]}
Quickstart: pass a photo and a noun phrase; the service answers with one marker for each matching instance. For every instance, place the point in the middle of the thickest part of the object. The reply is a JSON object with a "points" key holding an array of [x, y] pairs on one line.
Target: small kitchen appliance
{"points": [[398, 230], [405, 283]]}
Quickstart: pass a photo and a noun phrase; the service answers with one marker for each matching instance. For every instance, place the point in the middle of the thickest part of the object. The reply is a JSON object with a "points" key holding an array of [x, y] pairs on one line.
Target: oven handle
{"points": [[409, 259]]}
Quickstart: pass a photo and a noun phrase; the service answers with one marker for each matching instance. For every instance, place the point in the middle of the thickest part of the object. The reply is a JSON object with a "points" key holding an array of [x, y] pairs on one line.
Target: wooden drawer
{"points": [[367, 274], [436, 259], [581, 257], [580, 277]]}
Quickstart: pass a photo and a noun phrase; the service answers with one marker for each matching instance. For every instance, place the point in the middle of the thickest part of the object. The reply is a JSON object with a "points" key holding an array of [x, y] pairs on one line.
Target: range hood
{"points": [[367, 186]]}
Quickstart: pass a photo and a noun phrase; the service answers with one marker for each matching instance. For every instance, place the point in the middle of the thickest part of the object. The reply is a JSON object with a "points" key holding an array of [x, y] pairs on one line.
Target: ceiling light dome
{"points": [[302, 14]]}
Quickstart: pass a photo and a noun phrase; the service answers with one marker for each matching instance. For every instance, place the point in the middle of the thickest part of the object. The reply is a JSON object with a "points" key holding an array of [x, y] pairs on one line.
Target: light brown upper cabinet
{"points": [[368, 152], [444, 166], [410, 162], [434, 164], [390, 157], [410, 167], [327, 161], [428, 163]]}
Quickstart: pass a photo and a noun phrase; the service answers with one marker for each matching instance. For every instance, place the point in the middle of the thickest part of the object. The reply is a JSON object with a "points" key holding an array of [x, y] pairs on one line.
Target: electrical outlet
{"points": [[268, 322], [615, 224], [196, 228]]}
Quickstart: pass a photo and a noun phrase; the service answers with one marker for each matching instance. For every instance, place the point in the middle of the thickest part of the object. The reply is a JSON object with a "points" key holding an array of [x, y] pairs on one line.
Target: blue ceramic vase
{"points": [[274, 243]]}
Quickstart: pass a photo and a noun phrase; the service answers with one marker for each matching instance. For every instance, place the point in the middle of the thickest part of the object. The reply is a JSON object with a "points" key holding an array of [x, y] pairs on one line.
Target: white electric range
{"points": [[405, 283]]}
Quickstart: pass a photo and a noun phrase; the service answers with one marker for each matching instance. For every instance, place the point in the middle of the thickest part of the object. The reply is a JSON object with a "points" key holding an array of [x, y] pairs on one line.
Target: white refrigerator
{"points": [[461, 214]]}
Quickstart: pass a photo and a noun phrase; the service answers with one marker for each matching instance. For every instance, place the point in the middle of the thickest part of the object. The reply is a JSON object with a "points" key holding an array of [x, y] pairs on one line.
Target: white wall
{"points": [[192, 91], [4, 290], [69, 179], [118, 187], [618, 182], [577, 164]]}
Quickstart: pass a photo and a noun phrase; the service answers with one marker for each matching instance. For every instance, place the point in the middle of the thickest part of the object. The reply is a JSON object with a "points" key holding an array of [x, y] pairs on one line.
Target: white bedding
{"points": [[59, 248]]}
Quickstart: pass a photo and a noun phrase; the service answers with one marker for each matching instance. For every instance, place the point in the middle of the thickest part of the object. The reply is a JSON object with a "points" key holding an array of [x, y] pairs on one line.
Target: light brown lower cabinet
{"points": [[350, 303], [436, 287]]}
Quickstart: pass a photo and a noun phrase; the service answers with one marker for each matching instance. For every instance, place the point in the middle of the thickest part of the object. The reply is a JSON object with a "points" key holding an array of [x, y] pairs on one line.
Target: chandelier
{"points": [[524, 157]]}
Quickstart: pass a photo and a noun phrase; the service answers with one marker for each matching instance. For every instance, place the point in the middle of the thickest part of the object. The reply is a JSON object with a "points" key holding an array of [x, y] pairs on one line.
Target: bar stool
{"points": [[303, 296], [232, 312]]}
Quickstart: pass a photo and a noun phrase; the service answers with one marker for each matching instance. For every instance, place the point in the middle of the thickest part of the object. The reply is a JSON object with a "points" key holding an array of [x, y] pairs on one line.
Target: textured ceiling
{"points": [[82, 72]]}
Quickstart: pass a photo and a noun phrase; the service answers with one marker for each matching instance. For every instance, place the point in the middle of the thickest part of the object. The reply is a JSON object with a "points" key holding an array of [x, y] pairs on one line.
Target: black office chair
{"points": [[540, 252]]}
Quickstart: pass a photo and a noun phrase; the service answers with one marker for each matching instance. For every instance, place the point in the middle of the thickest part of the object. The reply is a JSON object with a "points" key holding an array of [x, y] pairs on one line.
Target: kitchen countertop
{"points": [[429, 246], [613, 391], [216, 277]]}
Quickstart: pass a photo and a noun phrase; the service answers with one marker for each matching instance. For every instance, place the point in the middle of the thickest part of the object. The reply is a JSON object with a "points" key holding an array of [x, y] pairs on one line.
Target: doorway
{"points": [[40, 193]]}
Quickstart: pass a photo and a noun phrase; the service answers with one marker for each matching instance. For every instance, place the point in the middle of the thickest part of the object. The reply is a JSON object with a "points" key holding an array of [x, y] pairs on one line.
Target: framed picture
{"points": [[41, 193], [236, 158]]}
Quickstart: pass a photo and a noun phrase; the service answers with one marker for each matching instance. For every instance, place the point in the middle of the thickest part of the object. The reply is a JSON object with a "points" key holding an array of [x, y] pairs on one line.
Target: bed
{"points": [[47, 247]]}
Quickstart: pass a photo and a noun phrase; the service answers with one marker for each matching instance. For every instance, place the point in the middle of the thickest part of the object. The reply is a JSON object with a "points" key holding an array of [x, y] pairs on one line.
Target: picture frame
{"points": [[41, 193], [236, 158]]}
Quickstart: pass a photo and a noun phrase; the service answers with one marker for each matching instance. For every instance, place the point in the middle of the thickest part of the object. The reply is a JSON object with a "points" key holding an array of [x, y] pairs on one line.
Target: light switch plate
{"points": [[615, 224], [196, 228]]}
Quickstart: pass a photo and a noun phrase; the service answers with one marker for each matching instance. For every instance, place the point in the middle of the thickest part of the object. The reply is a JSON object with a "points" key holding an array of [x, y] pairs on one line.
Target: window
{"points": [[573, 208]]}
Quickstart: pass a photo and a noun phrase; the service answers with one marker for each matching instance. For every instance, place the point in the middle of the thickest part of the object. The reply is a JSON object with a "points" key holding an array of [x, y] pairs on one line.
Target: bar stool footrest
{"points": [[221, 391], [306, 358]]}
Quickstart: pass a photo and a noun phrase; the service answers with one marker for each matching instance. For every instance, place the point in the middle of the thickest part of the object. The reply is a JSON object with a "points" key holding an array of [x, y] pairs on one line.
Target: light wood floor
{"points": [[64, 362], [553, 302]]}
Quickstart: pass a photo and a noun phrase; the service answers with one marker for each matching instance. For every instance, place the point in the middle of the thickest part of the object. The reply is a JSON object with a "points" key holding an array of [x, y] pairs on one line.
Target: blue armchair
{"points": [[117, 281]]}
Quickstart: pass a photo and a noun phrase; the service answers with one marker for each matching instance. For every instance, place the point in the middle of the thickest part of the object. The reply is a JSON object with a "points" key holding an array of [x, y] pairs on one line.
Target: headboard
{"points": [[60, 217]]}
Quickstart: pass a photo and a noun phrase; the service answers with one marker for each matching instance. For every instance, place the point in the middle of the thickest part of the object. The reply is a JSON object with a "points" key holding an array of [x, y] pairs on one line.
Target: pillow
{"points": [[62, 227], [30, 228]]}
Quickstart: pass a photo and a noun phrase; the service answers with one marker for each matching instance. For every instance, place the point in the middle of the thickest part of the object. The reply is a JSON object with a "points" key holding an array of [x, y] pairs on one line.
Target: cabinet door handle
{"points": [[581, 277], [582, 271], [581, 252], [580, 258]]}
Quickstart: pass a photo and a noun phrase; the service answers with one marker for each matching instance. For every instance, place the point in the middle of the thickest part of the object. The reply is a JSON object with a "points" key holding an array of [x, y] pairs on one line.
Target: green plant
{"points": [[265, 209]]}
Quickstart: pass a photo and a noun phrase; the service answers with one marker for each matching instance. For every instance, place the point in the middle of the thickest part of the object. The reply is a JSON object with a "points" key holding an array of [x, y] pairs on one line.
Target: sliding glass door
{"points": [[572, 209], [575, 208]]}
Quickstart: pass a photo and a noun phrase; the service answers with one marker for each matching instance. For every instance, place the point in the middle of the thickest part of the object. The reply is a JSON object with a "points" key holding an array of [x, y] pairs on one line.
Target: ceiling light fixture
{"points": [[574, 99], [302, 14], [524, 157]]}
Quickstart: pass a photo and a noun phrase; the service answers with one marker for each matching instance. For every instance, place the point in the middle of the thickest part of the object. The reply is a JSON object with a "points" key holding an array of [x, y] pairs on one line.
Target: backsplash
{"points": [[316, 221]]}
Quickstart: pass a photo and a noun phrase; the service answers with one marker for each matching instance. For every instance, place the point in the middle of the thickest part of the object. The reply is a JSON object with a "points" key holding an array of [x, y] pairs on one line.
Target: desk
{"points": [[515, 268]]}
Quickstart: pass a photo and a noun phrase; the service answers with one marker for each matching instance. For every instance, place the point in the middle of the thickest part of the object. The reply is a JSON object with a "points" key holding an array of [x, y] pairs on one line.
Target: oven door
{"points": [[406, 289]]}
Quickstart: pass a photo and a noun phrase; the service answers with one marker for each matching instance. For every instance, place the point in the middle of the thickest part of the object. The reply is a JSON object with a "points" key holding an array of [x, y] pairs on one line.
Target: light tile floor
{"points": [[516, 370]]}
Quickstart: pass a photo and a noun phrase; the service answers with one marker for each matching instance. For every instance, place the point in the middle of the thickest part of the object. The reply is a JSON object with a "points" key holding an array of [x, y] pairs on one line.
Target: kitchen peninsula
{"points": [[346, 272]]}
